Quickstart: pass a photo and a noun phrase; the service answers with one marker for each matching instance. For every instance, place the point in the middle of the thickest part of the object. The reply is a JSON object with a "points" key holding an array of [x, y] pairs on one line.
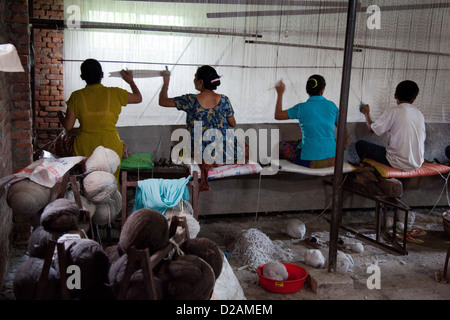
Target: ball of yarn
{"points": [[27, 278], [357, 247], [99, 185], [275, 271], [207, 250], [38, 242], [85, 203], [108, 209], [296, 229], [188, 277], [27, 198], [144, 228], [60, 215], [344, 262], [314, 258], [102, 159], [89, 256]]}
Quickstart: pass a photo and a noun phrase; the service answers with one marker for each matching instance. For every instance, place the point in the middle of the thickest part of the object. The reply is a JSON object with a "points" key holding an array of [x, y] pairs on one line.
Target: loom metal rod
{"points": [[255, 2], [336, 212], [356, 47], [254, 67], [173, 29], [267, 13], [60, 24]]}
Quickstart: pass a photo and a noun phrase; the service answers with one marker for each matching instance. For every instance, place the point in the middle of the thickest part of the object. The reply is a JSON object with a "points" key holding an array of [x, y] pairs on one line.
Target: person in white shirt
{"points": [[405, 125]]}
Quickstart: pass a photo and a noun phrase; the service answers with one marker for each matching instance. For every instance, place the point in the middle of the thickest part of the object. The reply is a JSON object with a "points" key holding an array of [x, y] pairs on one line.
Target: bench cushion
{"points": [[427, 169]]}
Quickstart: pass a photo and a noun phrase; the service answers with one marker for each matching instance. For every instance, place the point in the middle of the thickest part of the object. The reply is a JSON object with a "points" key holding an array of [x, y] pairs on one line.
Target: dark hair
{"points": [[211, 80], [91, 71], [407, 90], [315, 84]]}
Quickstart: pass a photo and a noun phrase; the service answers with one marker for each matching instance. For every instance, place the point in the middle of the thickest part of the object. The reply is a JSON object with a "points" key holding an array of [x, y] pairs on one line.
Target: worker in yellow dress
{"points": [[97, 109]]}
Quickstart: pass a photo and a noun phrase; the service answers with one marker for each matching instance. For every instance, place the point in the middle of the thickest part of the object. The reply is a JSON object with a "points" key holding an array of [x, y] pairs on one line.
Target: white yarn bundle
{"points": [[85, 203], [401, 221], [102, 159], [185, 210], [314, 258], [295, 228], [253, 248], [108, 209], [98, 186], [344, 262], [275, 271]]}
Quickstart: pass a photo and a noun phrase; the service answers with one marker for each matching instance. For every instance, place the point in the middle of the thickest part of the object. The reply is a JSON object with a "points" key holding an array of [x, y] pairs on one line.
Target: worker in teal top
{"points": [[317, 118]]}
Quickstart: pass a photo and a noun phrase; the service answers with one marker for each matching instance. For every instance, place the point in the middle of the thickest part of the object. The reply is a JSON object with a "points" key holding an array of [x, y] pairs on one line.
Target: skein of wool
{"points": [[344, 262], [85, 203], [102, 159], [207, 250], [99, 185], [314, 258], [27, 198], [27, 278], [295, 228], [60, 215], [188, 277], [136, 289], [38, 242], [275, 271], [89, 256], [107, 210], [144, 228]]}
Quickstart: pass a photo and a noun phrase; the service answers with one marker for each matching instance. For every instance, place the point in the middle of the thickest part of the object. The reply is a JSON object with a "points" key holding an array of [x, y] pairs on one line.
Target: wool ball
{"points": [[107, 210], [60, 215], [27, 278], [187, 278], [144, 228], [89, 256], [296, 229], [275, 271], [102, 159], [27, 198], [314, 258], [136, 288], [85, 203], [192, 224], [99, 185], [357, 247], [207, 250], [344, 262], [38, 242]]}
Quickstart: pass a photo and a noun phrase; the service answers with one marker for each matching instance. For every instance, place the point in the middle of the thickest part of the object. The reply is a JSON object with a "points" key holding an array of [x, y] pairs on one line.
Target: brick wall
{"points": [[15, 116], [49, 87]]}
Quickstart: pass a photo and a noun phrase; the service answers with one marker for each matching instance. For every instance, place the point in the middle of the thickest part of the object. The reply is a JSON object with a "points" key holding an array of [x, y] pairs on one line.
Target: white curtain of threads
{"points": [[250, 70]]}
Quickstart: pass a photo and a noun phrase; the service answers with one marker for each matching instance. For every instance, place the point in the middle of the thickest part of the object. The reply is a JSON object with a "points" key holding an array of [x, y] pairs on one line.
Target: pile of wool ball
{"points": [[59, 223], [100, 185], [188, 272]]}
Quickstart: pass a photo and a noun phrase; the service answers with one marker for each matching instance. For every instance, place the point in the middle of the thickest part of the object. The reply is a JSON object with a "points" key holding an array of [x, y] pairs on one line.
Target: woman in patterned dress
{"points": [[210, 111]]}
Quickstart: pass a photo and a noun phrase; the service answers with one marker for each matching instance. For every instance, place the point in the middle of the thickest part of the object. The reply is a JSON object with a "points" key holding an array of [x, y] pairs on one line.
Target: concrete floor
{"points": [[403, 277]]}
